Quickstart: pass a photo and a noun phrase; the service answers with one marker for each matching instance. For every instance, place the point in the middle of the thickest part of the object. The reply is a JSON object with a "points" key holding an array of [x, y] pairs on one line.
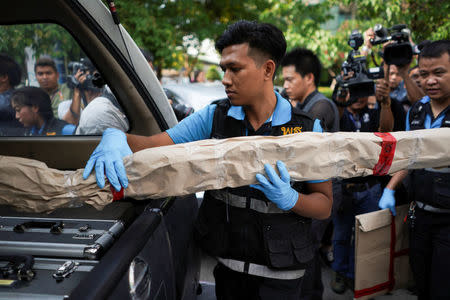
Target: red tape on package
{"points": [[386, 155]]}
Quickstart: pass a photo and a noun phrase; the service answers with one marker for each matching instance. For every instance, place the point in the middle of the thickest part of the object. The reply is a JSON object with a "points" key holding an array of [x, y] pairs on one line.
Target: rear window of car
{"points": [[49, 87]]}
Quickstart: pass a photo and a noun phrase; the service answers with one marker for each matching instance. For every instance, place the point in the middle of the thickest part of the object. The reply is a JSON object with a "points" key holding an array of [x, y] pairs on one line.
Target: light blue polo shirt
{"points": [[428, 123], [198, 126]]}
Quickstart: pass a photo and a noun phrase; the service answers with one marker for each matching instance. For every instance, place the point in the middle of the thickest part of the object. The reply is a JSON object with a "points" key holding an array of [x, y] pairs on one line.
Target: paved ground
{"points": [[207, 281]]}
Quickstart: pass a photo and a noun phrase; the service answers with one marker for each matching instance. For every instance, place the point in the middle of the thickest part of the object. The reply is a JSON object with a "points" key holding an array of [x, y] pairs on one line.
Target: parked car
{"points": [[195, 95], [155, 257]]}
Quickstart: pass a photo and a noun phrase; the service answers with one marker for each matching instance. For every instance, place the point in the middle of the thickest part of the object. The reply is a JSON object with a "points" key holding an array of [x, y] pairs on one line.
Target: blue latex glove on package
{"points": [[278, 190], [107, 158], [387, 200]]}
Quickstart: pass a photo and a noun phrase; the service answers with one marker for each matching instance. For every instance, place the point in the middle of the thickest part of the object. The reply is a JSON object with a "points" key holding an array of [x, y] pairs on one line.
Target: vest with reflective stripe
{"points": [[429, 186], [242, 224]]}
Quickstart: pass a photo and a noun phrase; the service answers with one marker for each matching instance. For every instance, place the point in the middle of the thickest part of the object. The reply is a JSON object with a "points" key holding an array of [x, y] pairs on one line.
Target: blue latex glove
{"points": [[278, 190], [107, 157], [387, 200]]}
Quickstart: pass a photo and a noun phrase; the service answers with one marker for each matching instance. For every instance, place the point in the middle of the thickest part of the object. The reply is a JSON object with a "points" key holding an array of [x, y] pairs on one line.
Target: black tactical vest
{"points": [[52, 127], [428, 186], [241, 223]]}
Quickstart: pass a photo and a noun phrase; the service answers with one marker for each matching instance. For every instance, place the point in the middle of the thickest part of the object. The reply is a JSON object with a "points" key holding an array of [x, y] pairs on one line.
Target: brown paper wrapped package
{"points": [[213, 164]]}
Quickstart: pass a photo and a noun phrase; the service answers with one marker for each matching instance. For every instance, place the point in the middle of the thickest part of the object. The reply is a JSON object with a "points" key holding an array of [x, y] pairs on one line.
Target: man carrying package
{"points": [[429, 214], [260, 234]]}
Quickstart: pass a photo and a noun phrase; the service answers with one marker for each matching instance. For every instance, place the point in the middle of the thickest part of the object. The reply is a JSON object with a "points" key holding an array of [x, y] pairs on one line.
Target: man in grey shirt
{"points": [[301, 72]]}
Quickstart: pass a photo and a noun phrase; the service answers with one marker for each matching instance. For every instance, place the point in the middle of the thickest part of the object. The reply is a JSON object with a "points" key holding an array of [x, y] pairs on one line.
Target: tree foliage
{"points": [[427, 19], [168, 28], [302, 23], [44, 39]]}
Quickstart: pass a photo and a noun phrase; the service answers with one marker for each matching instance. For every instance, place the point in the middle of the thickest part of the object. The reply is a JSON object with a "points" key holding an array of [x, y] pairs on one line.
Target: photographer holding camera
{"points": [[398, 52], [100, 108], [358, 195]]}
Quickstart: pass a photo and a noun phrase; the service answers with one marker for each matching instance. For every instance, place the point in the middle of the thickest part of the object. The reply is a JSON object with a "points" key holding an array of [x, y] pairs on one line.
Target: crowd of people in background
{"points": [[83, 108], [399, 96], [411, 96]]}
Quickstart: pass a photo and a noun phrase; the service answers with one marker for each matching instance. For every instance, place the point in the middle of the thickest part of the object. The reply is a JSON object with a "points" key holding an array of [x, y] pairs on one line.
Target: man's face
{"points": [[294, 84], [243, 79], [360, 103], [435, 76], [27, 115], [415, 76], [47, 78], [394, 77]]}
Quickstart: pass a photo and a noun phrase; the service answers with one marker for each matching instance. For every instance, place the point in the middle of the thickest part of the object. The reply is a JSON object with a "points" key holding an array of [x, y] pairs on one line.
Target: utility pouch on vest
{"points": [[229, 232], [287, 240], [437, 188]]}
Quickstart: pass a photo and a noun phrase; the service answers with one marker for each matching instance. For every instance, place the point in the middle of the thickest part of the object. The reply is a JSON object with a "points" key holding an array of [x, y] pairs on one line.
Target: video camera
{"points": [[93, 80], [356, 77], [400, 52]]}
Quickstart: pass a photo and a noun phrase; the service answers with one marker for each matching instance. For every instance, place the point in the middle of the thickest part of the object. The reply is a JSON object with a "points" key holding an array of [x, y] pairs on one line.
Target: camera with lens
{"points": [[398, 53], [356, 78], [93, 78]]}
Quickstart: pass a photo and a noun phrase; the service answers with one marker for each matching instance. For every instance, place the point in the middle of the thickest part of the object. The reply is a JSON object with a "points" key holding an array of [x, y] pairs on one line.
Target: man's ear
{"points": [[269, 69], [309, 78], [35, 108], [4, 78]]}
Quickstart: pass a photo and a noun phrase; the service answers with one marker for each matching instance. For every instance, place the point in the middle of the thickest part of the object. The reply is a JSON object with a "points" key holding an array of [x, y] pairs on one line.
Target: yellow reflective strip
{"points": [[6, 282]]}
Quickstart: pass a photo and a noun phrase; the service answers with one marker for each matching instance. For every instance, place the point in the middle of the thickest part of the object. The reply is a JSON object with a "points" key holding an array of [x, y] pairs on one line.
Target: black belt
{"points": [[431, 208], [358, 187]]}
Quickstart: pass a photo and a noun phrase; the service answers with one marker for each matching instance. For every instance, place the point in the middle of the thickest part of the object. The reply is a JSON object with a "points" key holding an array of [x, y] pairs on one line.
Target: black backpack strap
{"points": [[219, 126], [417, 116], [446, 120]]}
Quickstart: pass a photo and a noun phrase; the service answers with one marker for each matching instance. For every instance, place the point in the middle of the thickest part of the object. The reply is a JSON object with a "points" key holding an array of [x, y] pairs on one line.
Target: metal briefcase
{"points": [[52, 279], [57, 237]]}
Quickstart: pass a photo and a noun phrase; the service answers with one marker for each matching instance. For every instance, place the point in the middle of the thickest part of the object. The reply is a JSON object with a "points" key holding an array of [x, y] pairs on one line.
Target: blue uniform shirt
{"points": [[429, 122], [198, 126]]}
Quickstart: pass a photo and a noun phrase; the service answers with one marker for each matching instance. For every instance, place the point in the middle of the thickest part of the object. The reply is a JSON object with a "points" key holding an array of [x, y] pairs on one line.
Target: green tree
{"points": [[213, 74], [48, 39], [427, 19], [168, 28]]}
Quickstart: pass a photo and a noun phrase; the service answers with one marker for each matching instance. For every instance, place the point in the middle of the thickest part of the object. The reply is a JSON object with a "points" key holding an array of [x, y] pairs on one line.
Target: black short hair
{"points": [[11, 68], [45, 62], [305, 62], [33, 96], [435, 49], [266, 38]]}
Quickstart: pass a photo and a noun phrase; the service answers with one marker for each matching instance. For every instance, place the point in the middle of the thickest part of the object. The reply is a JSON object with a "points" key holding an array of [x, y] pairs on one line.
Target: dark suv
{"points": [[154, 257]]}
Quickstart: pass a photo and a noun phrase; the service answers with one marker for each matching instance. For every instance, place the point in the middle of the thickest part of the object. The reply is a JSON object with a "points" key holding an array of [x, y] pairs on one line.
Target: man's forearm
{"points": [[396, 179], [314, 205], [317, 204], [72, 116], [386, 117], [414, 92], [139, 142]]}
